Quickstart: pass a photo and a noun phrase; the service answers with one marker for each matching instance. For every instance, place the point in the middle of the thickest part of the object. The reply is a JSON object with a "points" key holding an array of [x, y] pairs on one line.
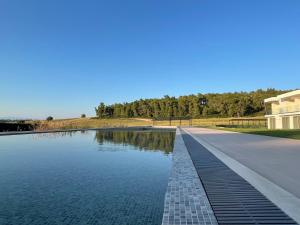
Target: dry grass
{"points": [[90, 123], [81, 123]]}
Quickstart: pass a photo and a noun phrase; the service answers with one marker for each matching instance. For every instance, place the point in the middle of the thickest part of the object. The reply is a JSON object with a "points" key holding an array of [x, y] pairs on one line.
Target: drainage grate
{"points": [[233, 199]]}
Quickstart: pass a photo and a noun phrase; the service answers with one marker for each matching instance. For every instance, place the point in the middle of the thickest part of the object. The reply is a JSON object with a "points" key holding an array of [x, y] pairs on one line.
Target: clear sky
{"points": [[62, 58]]}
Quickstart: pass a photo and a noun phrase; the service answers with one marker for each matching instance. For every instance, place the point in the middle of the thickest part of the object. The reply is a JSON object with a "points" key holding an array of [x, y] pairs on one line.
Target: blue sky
{"points": [[62, 58]]}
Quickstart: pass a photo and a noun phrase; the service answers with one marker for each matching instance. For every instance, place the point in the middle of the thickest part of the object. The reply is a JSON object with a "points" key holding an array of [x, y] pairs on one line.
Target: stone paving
{"points": [[185, 200]]}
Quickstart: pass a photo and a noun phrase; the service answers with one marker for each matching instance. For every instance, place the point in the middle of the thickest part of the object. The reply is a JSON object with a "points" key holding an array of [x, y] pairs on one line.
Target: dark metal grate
{"points": [[233, 199]]}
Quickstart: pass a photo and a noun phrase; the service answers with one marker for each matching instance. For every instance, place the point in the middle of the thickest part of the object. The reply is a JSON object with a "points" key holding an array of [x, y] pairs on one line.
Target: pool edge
{"points": [[185, 199], [171, 128]]}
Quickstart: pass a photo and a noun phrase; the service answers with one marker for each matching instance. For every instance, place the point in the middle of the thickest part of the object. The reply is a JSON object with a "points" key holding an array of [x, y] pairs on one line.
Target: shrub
{"points": [[49, 118], [83, 116]]}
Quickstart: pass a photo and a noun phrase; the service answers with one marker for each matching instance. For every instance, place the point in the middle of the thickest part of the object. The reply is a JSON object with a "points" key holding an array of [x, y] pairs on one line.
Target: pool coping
{"points": [[186, 201]]}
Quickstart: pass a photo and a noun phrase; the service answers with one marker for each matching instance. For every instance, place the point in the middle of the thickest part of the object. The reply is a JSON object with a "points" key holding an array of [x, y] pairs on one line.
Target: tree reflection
{"points": [[59, 134], [143, 140]]}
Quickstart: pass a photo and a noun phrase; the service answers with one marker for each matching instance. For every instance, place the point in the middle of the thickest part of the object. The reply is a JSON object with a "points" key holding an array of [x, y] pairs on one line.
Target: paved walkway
{"points": [[277, 159], [269, 164], [233, 199], [186, 202]]}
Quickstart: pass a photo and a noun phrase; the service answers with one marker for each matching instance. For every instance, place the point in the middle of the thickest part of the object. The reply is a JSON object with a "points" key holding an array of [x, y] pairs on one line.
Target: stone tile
{"points": [[185, 200]]}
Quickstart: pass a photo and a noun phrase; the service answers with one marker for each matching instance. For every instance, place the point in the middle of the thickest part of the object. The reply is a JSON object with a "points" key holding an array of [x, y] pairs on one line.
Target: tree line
{"points": [[235, 104]]}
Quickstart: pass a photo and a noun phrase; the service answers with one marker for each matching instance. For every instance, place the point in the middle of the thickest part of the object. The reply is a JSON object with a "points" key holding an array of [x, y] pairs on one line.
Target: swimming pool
{"points": [[91, 177]]}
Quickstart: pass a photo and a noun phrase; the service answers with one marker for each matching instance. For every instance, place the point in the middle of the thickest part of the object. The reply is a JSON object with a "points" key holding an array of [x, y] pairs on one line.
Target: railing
{"points": [[283, 110], [247, 122], [207, 122], [172, 121]]}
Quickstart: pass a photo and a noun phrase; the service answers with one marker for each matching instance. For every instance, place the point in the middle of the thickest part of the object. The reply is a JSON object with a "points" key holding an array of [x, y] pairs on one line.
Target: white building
{"points": [[283, 111]]}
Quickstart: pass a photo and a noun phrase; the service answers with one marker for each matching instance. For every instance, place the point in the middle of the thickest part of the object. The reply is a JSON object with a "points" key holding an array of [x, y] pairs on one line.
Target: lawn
{"points": [[294, 134]]}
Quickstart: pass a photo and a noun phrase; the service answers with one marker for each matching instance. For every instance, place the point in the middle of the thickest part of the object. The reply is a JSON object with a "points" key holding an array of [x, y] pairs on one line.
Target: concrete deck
{"points": [[270, 164]]}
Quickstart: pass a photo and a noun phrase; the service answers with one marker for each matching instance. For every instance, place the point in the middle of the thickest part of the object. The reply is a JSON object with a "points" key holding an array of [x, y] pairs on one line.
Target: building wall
{"points": [[278, 122], [286, 106], [281, 111]]}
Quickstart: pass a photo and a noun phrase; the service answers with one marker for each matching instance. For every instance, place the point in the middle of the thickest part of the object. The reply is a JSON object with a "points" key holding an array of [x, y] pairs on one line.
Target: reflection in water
{"points": [[59, 134], [143, 140], [63, 178]]}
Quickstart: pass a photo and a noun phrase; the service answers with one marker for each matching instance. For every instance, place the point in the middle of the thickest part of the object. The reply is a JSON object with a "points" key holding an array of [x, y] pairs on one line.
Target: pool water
{"points": [[91, 177]]}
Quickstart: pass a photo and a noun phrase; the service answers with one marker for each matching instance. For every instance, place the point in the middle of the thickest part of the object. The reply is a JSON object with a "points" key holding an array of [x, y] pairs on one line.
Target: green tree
{"points": [[230, 104], [49, 118], [100, 110]]}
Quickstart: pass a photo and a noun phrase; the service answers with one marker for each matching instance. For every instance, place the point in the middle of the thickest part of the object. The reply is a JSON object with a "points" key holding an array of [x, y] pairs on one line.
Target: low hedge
{"points": [[15, 127]]}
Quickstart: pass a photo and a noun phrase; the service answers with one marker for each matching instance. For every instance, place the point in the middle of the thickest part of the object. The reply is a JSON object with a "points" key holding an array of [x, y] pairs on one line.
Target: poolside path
{"points": [[185, 200], [271, 165]]}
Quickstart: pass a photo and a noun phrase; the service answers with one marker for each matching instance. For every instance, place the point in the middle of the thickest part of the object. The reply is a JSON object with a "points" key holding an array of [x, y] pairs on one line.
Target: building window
{"points": [[296, 121], [286, 122]]}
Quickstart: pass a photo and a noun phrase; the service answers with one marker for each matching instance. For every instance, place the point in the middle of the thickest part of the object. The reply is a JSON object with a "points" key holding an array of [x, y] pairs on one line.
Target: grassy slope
{"points": [[78, 123], [90, 123]]}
